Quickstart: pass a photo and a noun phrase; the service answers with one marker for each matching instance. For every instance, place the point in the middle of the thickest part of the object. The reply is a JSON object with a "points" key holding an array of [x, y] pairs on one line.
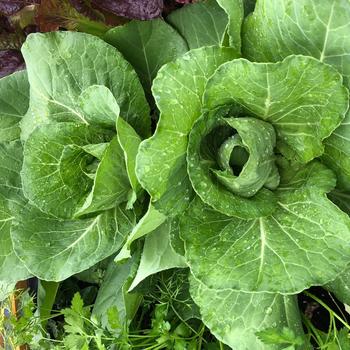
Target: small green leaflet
{"points": [[286, 336]]}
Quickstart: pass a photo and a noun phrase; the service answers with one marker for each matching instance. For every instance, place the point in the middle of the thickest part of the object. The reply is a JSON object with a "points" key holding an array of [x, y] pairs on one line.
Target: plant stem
{"points": [[48, 291], [327, 308]]}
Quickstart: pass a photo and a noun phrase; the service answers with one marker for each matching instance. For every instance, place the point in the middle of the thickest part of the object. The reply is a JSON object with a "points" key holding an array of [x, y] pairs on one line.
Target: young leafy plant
{"points": [[73, 176], [254, 148], [247, 170]]}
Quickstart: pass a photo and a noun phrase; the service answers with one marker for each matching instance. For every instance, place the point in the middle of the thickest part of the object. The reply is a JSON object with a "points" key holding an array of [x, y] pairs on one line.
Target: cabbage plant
{"points": [[258, 147], [71, 125], [244, 180]]}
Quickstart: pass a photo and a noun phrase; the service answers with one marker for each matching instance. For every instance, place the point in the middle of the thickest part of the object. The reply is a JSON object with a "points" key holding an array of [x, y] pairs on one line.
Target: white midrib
{"points": [[327, 33], [62, 105], [87, 230], [268, 95], [7, 219], [262, 249]]}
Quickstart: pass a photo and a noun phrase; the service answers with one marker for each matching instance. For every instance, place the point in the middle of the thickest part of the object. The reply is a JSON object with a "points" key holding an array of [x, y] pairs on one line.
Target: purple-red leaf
{"points": [[10, 61], [9, 7], [136, 9], [85, 9]]}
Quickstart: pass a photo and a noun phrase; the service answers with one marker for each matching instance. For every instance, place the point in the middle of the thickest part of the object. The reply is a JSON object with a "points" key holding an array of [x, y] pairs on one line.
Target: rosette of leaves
{"points": [[70, 128], [240, 165]]}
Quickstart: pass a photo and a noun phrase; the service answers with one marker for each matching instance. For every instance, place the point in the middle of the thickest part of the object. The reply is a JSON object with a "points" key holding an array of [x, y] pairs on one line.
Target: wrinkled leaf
{"points": [[304, 109], [53, 152], [235, 317], [54, 249], [304, 242], [12, 269], [235, 13], [61, 65], [221, 189], [137, 9], [177, 89], [281, 28], [111, 182], [14, 99]]}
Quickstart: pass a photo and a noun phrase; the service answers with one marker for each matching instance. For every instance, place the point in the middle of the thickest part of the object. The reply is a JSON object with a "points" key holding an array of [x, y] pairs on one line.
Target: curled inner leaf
{"points": [[229, 162], [246, 158]]}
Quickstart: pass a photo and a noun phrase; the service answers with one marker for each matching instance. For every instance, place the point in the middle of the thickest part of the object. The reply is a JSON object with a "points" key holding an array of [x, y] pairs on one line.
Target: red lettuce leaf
{"points": [[10, 61], [10, 7], [135, 9]]}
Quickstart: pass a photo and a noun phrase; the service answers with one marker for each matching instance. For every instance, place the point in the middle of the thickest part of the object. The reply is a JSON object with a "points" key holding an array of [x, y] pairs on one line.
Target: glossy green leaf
{"points": [[99, 106], [147, 45], [148, 223], [220, 188], [12, 269], [111, 182], [340, 287], [53, 152], [129, 141], [235, 13], [235, 317], [341, 199], [11, 200], [177, 89], [337, 153], [114, 292], [201, 24], [14, 103], [157, 255], [62, 65], [304, 109], [211, 22], [281, 28], [54, 249], [313, 175], [304, 242]]}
